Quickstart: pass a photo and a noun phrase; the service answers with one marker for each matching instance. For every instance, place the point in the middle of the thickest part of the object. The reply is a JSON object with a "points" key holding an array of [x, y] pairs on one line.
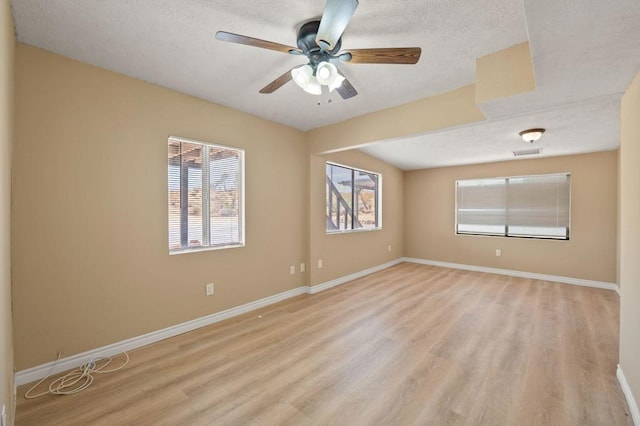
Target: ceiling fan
{"points": [[321, 41]]}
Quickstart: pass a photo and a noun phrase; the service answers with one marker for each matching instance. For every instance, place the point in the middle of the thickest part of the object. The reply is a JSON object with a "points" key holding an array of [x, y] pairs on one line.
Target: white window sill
{"points": [[351, 231], [199, 249]]}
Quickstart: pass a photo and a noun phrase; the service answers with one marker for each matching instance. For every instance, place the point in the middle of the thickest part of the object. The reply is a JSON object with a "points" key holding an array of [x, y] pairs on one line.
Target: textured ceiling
{"points": [[584, 55], [172, 43], [495, 140]]}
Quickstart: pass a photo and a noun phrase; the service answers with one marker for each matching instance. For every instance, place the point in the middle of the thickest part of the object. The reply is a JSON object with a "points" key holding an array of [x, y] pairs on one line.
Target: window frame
{"points": [[241, 200], [506, 233], [378, 198]]}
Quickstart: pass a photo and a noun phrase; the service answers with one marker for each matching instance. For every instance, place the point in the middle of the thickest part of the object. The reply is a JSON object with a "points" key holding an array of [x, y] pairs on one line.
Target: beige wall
{"points": [[590, 253], [436, 112], [345, 253], [90, 249], [90, 255], [630, 238], [7, 45], [505, 73], [501, 74], [92, 241]]}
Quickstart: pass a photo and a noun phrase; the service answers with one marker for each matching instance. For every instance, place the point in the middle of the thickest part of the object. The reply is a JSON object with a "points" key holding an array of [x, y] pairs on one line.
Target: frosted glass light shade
{"points": [[313, 87], [327, 74], [531, 135], [337, 82], [302, 75], [304, 78]]}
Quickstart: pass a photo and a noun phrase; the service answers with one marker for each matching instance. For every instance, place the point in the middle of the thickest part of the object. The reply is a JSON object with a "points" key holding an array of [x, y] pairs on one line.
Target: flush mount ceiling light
{"points": [[531, 135], [311, 78]]}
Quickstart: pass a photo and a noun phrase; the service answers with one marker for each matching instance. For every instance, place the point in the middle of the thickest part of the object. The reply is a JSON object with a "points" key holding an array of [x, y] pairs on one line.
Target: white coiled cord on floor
{"points": [[79, 379]]}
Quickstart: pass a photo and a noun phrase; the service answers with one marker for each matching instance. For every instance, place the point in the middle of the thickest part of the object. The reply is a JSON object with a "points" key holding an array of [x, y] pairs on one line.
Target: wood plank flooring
{"points": [[411, 345]]}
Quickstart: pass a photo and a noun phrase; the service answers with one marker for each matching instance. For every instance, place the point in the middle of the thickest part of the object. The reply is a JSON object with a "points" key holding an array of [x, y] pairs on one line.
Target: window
{"points": [[353, 199], [523, 206], [206, 196]]}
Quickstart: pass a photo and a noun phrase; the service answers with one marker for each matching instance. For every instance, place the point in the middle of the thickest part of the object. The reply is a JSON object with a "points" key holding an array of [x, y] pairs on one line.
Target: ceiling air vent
{"points": [[524, 152]]}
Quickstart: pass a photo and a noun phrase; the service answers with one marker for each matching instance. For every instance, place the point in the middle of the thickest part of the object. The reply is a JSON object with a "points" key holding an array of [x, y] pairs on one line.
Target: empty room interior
{"points": [[320, 212]]}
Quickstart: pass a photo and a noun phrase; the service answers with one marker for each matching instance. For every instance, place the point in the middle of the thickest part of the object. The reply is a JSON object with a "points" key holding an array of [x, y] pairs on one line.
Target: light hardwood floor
{"points": [[411, 345]]}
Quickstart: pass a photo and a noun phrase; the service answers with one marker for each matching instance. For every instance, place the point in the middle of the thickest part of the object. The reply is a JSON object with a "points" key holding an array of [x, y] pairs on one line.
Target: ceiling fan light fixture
{"points": [[531, 135], [321, 41], [304, 78], [313, 87], [326, 73], [337, 82], [302, 75]]}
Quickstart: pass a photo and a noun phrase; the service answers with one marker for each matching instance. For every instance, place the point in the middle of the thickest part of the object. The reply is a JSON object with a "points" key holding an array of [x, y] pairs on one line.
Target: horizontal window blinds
{"points": [[538, 206], [482, 206], [224, 195], [522, 206], [205, 195]]}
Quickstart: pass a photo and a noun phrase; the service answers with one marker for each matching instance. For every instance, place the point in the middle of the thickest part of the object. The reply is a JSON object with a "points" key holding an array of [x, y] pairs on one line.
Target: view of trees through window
{"points": [[353, 199]]}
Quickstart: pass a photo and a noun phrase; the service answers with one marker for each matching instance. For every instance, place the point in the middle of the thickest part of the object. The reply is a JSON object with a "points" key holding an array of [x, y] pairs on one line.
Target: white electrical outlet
{"points": [[302, 267], [389, 248], [498, 252], [292, 270], [319, 263], [210, 289]]}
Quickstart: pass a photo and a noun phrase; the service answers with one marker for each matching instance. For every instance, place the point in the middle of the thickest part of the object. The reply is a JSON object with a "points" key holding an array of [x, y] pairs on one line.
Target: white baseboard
{"points": [[633, 407], [38, 372], [64, 364], [522, 274], [329, 284]]}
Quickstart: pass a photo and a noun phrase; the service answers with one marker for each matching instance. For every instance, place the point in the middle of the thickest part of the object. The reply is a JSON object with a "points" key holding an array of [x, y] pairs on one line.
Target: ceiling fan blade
{"points": [[278, 82], [256, 42], [387, 55], [346, 90], [335, 18]]}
